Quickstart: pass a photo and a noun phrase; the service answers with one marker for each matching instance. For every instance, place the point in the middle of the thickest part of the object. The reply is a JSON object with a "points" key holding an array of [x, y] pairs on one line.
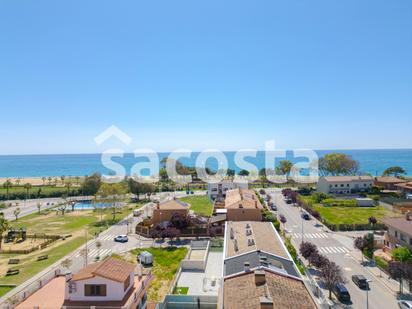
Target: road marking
{"points": [[333, 250], [309, 235]]}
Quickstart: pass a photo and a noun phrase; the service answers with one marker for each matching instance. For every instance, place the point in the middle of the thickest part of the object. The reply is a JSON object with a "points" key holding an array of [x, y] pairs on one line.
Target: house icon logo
{"points": [[111, 132]]}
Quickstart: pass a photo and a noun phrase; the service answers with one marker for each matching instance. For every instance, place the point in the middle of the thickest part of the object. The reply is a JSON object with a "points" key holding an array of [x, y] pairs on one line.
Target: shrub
{"points": [[340, 202]]}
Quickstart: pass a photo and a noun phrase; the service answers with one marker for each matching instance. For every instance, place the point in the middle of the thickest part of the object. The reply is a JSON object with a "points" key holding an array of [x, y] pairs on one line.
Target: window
{"points": [[396, 234], [94, 290], [342, 185], [402, 237], [127, 283], [410, 241], [336, 186]]}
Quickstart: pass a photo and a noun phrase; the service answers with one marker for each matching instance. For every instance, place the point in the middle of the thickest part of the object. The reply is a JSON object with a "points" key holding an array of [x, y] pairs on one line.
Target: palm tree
{"points": [[39, 207], [77, 180], [4, 225], [16, 213], [27, 186], [49, 179], [18, 181], [62, 177], [44, 180], [7, 185]]}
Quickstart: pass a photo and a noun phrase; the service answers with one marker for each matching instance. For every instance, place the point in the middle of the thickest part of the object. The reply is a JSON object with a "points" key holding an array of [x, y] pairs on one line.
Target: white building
{"points": [[344, 184], [109, 282], [218, 189]]}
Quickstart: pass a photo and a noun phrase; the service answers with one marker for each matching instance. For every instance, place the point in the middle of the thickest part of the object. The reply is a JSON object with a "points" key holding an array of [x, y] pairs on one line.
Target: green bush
{"points": [[381, 262], [340, 202]]}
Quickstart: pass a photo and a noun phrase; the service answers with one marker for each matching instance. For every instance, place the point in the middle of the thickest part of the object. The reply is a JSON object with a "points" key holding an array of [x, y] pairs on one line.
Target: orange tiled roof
{"points": [[348, 178], [284, 292], [110, 268], [242, 198], [389, 179]]}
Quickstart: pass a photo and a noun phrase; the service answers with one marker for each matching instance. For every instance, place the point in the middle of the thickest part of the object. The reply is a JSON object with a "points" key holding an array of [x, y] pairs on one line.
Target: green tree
{"points": [[7, 185], [244, 173], [402, 254], [284, 167], [27, 186], [338, 164], [111, 193], [394, 171], [4, 225], [16, 213]]}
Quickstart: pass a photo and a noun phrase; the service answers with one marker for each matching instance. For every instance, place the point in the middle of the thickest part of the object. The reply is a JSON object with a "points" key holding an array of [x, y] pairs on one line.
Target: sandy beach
{"points": [[37, 181]]}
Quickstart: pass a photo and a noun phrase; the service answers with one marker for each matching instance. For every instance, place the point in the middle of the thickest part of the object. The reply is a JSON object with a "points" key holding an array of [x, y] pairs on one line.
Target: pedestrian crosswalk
{"points": [[309, 235], [95, 252], [333, 250], [105, 237]]}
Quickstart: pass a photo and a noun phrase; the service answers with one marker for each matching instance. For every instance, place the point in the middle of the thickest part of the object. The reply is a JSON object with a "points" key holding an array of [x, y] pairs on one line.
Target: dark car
{"points": [[273, 207], [305, 216], [341, 293], [288, 201], [360, 281]]}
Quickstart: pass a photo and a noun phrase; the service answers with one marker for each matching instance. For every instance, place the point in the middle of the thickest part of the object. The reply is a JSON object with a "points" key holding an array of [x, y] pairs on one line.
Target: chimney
{"points": [[246, 266], [408, 216], [256, 204], [260, 277], [266, 302]]}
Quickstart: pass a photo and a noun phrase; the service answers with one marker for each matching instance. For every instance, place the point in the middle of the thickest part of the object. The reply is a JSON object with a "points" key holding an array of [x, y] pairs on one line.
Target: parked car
{"points": [[305, 216], [273, 207], [341, 293], [288, 201], [121, 238], [360, 281], [405, 304]]}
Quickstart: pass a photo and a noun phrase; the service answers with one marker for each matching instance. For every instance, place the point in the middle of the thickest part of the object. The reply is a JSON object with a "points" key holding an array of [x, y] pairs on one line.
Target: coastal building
{"points": [[344, 184], [258, 271], [399, 232], [163, 211], [405, 188], [242, 205], [218, 189], [108, 283], [387, 182]]}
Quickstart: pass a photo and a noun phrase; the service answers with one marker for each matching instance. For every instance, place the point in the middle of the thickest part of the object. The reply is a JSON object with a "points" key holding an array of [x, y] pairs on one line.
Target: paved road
{"points": [[29, 206], [339, 249]]}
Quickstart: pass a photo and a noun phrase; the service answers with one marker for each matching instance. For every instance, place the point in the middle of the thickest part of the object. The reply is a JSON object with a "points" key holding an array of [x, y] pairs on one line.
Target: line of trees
{"points": [[329, 272]]}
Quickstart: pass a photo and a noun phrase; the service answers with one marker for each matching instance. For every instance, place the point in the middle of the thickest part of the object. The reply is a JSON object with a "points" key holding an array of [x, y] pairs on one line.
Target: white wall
{"points": [[114, 290]]}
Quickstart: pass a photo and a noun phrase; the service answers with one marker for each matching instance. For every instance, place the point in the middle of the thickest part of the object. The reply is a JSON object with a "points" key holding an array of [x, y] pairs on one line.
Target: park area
{"points": [[166, 263], [200, 204], [68, 232]]}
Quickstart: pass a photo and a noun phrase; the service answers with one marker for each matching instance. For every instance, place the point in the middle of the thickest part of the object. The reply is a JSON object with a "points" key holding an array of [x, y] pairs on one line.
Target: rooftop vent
{"points": [[247, 225], [250, 242], [232, 233], [247, 266], [408, 216], [235, 245], [260, 277], [266, 302], [248, 232]]}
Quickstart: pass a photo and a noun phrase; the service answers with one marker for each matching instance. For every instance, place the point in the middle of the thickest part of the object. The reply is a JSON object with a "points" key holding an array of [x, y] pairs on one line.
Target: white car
{"points": [[121, 238], [405, 304]]}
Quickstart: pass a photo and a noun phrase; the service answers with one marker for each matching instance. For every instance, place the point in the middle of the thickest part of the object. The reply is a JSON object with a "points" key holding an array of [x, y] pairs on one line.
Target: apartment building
{"points": [[218, 189], [344, 184], [399, 231], [243, 205]]}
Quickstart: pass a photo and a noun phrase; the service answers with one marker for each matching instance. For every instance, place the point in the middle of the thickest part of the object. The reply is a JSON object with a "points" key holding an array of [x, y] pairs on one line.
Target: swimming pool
{"points": [[90, 205]]}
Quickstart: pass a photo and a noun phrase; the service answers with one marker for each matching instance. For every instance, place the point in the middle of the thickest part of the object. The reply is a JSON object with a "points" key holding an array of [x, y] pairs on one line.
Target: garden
{"points": [[201, 204], [166, 263]]}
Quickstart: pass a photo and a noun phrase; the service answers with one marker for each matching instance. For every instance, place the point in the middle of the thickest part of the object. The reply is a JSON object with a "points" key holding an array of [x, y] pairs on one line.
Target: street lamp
{"points": [[367, 294]]}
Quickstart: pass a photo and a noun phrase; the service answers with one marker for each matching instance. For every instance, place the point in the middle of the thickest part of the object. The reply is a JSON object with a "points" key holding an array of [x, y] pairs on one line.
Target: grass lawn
{"points": [[165, 265], [201, 205], [352, 215], [181, 290]]}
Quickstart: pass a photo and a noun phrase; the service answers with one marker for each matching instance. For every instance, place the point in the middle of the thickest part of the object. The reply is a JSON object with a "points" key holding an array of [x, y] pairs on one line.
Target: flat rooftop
{"points": [[246, 236], [204, 282]]}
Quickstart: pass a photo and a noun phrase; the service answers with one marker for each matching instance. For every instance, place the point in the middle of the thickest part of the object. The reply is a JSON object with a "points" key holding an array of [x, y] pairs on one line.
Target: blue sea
{"points": [[371, 161]]}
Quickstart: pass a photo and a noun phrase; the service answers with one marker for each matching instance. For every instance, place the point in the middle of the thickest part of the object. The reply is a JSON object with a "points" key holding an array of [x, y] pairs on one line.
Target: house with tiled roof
{"points": [[399, 231], [243, 205], [111, 282], [387, 182], [258, 271], [164, 211]]}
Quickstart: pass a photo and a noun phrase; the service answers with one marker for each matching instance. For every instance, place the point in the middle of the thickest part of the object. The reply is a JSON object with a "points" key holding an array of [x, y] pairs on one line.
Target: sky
{"points": [[205, 74]]}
